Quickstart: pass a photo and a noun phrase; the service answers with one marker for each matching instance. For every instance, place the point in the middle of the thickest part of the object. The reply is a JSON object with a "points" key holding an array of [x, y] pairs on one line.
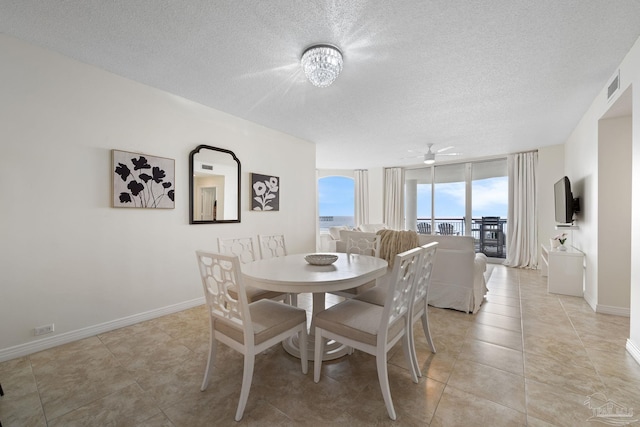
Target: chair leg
{"points": [[383, 378], [293, 299], [247, 377], [317, 356], [427, 331], [304, 349], [413, 358], [409, 350], [213, 345]]}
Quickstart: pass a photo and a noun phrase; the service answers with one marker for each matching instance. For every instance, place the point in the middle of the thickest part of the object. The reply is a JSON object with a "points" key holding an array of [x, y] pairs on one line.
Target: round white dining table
{"points": [[293, 274]]}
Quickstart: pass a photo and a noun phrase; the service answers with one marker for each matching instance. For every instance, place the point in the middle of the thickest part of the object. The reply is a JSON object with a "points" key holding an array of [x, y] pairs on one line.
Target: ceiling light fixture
{"points": [[321, 64]]}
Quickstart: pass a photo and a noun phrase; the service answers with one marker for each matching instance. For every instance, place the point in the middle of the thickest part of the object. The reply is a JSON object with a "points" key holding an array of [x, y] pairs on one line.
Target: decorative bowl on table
{"points": [[321, 259]]}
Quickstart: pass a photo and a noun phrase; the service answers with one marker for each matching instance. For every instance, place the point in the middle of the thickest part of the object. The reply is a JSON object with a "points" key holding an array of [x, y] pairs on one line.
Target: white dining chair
{"points": [[273, 246], [420, 307], [365, 245], [372, 328], [244, 249], [249, 328], [361, 245]]}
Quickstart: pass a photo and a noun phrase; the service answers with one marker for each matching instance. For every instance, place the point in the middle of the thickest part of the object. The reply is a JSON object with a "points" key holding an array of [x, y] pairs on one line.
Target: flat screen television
{"points": [[565, 204]]}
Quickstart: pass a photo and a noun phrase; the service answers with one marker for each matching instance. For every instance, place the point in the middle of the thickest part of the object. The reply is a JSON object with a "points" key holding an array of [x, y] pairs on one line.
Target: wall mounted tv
{"points": [[565, 204]]}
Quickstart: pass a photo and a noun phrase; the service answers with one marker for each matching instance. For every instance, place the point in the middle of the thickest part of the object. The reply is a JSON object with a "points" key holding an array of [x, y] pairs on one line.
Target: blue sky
{"points": [[336, 198]]}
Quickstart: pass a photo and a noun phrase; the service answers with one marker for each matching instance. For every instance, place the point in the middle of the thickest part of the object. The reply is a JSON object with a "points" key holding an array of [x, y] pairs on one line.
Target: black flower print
{"points": [[146, 183], [123, 171], [140, 163]]}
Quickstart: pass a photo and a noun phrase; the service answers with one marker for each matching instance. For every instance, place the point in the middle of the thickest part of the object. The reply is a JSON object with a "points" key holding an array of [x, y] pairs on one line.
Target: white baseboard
{"points": [[607, 309], [616, 311], [67, 337], [591, 302], [633, 350]]}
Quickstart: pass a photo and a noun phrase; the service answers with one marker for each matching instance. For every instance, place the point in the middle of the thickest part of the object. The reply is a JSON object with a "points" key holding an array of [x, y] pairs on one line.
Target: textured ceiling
{"points": [[487, 77]]}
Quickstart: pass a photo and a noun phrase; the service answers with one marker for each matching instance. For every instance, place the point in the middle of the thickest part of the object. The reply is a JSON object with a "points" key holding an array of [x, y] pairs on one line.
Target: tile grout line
{"points": [[524, 359]]}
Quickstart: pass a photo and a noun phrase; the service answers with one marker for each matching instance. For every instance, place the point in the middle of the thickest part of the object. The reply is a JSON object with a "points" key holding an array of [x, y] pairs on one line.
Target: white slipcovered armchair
{"points": [[457, 279]]}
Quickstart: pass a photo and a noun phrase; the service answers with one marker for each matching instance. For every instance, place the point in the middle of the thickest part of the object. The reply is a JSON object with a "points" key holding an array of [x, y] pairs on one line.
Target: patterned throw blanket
{"points": [[394, 242]]}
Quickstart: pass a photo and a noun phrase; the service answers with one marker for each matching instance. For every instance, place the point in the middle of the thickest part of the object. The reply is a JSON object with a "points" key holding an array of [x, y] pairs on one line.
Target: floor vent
{"points": [[613, 86]]}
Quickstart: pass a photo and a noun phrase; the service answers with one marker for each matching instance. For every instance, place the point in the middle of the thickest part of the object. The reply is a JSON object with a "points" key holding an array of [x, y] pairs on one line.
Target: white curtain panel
{"points": [[522, 229], [394, 198], [361, 197]]}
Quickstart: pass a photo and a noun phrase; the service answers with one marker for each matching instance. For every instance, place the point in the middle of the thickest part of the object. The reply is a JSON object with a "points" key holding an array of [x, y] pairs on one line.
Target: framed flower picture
{"points": [[265, 192], [142, 181]]}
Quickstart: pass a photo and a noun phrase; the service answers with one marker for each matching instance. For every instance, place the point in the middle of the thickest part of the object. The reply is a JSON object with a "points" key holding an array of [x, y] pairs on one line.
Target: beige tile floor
{"points": [[526, 358]]}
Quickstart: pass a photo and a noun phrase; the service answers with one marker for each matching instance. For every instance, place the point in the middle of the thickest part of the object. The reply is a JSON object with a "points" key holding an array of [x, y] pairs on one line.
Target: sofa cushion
{"points": [[335, 231], [448, 242], [372, 228]]}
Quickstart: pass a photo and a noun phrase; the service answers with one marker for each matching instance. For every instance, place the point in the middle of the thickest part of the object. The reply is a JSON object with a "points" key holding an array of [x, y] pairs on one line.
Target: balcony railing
{"points": [[488, 235]]}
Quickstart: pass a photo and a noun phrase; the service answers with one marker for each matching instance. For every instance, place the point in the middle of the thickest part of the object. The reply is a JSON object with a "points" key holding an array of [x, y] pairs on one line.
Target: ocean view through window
{"points": [[336, 202], [460, 199]]}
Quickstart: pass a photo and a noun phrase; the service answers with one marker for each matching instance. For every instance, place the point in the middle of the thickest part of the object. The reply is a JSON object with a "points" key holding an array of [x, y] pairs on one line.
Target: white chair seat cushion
{"points": [[376, 295], [269, 318], [357, 320], [254, 294]]}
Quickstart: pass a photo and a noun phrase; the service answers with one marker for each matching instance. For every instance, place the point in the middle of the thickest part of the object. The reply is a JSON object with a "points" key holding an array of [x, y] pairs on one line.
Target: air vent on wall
{"points": [[613, 86], [207, 167]]}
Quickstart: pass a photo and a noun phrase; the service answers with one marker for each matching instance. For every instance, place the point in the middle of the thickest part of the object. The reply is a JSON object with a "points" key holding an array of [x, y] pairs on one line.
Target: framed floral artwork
{"points": [[142, 181], [265, 192]]}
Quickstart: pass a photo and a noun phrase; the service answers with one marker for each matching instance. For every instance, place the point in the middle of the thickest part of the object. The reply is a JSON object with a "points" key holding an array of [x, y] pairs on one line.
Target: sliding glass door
{"points": [[460, 199], [450, 199], [489, 187]]}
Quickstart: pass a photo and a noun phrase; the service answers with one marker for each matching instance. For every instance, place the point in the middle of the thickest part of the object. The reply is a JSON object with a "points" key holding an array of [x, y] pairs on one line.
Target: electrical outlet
{"points": [[41, 330]]}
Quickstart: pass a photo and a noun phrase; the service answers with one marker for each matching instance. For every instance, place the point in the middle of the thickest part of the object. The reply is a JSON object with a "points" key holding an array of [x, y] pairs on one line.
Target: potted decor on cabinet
{"points": [[558, 242]]}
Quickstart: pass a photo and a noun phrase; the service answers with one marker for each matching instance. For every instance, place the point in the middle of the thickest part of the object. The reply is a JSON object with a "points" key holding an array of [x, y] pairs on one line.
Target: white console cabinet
{"points": [[565, 270]]}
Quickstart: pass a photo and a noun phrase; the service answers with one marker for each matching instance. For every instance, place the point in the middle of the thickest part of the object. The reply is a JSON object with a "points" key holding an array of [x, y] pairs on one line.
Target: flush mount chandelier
{"points": [[321, 64]]}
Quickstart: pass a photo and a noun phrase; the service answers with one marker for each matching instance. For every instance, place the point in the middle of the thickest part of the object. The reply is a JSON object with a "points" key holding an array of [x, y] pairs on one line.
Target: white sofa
{"points": [[457, 278], [328, 241]]}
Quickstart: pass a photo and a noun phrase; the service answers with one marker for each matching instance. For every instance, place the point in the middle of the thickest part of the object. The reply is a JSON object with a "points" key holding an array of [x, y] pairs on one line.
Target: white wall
{"points": [[66, 256], [614, 218], [550, 170], [583, 167]]}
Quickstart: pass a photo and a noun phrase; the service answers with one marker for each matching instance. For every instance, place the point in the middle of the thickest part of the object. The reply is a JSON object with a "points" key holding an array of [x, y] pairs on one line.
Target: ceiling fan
{"points": [[430, 155]]}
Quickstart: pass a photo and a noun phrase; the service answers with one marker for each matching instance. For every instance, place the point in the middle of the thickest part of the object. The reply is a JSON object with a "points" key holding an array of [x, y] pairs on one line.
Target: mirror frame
{"points": [[191, 159]]}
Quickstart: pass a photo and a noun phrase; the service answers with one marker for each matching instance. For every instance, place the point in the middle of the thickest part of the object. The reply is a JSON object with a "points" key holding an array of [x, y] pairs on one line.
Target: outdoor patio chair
{"points": [[446, 228]]}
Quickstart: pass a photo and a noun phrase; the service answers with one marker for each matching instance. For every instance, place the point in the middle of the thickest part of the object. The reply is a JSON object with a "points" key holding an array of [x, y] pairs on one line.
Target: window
{"points": [[449, 199], [336, 201], [454, 198], [490, 187]]}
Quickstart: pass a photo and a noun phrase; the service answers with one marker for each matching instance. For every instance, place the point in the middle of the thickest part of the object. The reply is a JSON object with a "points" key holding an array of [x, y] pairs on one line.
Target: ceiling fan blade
{"points": [[449, 154], [442, 150]]}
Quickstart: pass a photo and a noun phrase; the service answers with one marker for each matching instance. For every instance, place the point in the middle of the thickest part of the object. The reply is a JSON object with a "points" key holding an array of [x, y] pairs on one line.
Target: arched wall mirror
{"points": [[214, 186]]}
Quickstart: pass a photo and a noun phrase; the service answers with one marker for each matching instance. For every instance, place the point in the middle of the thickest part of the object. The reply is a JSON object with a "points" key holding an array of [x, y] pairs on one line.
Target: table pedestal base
{"points": [[332, 349]]}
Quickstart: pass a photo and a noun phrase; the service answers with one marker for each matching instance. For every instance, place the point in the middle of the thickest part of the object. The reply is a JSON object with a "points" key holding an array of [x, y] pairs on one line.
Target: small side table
{"points": [[565, 270]]}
